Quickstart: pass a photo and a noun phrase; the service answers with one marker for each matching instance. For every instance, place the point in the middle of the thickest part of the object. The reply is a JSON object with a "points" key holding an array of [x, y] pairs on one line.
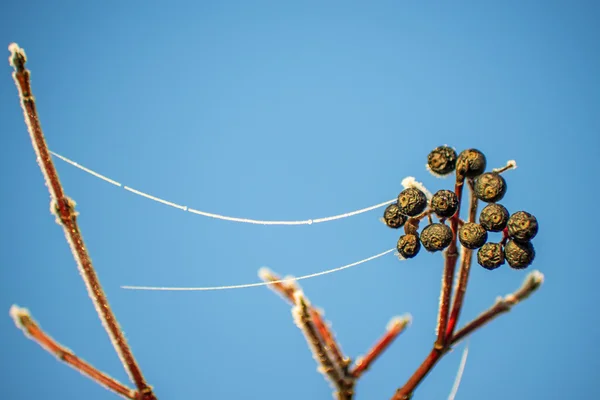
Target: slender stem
{"points": [[286, 290], [329, 341], [303, 318], [64, 208], [465, 268], [451, 256], [395, 328], [32, 330], [406, 391], [532, 282]]}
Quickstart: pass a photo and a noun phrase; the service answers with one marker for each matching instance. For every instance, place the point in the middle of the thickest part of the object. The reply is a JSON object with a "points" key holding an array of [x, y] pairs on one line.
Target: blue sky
{"points": [[282, 110]]}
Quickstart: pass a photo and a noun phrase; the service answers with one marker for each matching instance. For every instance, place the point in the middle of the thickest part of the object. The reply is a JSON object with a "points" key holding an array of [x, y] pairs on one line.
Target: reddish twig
{"points": [[286, 288], [395, 327], [33, 331], [464, 270], [451, 256], [64, 209], [303, 318], [502, 305]]}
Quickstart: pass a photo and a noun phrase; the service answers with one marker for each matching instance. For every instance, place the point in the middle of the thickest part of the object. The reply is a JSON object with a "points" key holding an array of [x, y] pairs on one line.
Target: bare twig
{"points": [[464, 270], [303, 318], [532, 282], [395, 327], [64, 209], [451, 256], [32, 330]]}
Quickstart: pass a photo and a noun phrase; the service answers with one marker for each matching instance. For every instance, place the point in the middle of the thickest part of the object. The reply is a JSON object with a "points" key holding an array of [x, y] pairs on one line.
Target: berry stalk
{"points": [[465, 269]]}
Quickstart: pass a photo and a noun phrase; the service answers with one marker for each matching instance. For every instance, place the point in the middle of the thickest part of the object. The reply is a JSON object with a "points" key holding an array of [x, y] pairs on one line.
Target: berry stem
{"points": [[465, 268], [63, 208], [451, 256], [32, 330]]}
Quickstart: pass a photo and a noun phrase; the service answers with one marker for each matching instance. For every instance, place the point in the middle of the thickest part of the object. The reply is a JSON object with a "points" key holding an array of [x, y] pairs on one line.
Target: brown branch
{"points": [[286, 288], [64, 209], [532, 282], [32, 330], [451, 256], [303, 318], [395, 327], [464, 270]]}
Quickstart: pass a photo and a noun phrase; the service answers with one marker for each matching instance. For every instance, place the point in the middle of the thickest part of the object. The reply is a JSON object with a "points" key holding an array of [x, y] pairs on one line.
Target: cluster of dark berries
{"points": [[518, 229]]}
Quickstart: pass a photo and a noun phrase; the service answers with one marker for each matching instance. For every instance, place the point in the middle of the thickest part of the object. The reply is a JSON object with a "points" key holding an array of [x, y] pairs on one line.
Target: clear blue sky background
{"points": [[281, 110]]}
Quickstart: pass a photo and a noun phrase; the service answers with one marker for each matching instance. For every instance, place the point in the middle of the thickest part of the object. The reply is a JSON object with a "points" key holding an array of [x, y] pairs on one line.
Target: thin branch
{"points": [[302, 317], [395, 327], [286, 288], [64, 208], [451, 256], [464, 270], [532, 282], [32, 330]]}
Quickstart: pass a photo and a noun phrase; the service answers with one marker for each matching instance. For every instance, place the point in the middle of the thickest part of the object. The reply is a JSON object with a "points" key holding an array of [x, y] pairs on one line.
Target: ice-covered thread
{"points": [[249, 285], [219, 216]]}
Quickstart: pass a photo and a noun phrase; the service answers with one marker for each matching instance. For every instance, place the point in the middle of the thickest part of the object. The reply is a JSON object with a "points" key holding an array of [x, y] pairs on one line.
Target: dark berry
{"points": [[493, 217], [442, 160], [519, 255], [490, 256], [408, 245], [470, 163], [412, 201], [444, 203], [472, 235], [522, 226], [393, 217], [436, 237], [490, 187]]}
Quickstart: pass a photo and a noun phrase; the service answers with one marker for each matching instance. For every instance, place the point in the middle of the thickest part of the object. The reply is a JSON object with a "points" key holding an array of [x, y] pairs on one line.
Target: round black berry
{"points": [[393, 217], [490, 187], [408, 245], [470, 163], [436, 237], [441, 160], [493, 217], [519, 255], [472, 235], [444, 203], [522, 226], [412, 201], [490, 256]]}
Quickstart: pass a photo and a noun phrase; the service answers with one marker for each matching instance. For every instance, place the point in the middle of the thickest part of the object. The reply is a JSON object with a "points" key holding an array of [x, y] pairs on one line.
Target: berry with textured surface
{"points": [[444, 203], [472, 235], [522, 226], [490, 256], [393, 217], [519, 255], [412, 201], [436, 237], [490, 187], [470, 163], [442, 160], [493, 217], [408, 245]]}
